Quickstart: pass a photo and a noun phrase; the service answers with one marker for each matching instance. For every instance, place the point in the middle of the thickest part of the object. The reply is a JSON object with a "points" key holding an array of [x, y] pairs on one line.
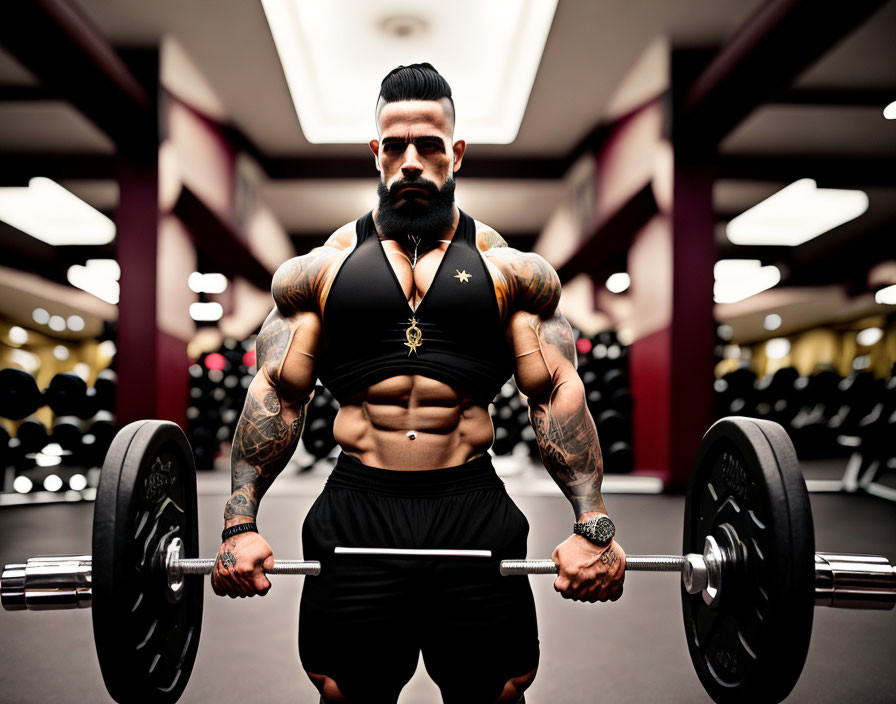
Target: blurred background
{"points": [[714, 181]]}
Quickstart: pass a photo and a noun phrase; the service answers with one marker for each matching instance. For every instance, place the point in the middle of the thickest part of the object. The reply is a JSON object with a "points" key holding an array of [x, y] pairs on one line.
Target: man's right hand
{"points": [[240, 565]]}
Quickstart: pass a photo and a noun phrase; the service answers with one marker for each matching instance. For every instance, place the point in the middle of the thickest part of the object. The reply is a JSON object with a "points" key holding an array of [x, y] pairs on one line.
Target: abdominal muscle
{"points": [[377, 425]]}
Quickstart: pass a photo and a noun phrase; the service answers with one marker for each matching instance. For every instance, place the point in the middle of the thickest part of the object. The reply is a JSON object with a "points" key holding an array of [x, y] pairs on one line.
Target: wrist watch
{"points": [[599, 531]]}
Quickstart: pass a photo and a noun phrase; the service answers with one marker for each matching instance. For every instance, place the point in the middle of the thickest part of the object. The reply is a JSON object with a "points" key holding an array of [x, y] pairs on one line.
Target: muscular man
{"points": [[414, 316]]}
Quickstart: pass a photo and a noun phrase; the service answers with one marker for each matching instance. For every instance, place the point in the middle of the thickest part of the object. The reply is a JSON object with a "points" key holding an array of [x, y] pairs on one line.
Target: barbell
{"points": [[750, 575]]}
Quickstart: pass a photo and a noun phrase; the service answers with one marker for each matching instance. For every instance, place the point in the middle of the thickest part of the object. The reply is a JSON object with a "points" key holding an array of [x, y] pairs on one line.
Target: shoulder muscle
{"points": [[297, 284], [533, 284]]}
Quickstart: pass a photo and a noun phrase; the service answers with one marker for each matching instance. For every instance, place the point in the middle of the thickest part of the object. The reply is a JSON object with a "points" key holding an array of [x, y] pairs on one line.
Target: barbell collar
{"points": [[47, 584], [848, 581]]}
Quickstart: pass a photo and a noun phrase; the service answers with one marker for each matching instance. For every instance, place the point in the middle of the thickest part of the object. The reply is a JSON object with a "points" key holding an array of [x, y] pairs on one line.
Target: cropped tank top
{"points": [[454, 336]]}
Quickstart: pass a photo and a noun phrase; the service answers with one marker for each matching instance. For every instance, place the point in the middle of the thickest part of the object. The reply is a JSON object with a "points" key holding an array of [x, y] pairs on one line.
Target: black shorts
{"points": [[364, 620]]}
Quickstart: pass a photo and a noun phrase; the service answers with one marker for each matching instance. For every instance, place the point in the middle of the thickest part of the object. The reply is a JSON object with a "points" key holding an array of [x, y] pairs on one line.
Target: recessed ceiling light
{"points": [[890, 111], [796, 214], [48, 212], [403, 26], [334, 93]]}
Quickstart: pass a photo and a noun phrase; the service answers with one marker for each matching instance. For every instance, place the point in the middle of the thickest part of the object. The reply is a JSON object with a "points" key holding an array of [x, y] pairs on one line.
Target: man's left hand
{"points": [[589, 572]]}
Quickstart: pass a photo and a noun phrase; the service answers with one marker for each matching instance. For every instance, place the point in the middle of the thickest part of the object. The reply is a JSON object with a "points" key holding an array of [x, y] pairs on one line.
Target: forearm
{"points": [[567, 441], [266, 437]]}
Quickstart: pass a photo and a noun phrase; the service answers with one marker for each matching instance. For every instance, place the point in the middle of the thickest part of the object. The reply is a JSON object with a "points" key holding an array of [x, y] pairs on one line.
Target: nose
{"points": [[411, 166]]}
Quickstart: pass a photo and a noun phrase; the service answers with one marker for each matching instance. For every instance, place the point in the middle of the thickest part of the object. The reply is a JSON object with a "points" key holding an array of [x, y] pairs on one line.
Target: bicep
{"points": [[544, 352], [285, 353]]}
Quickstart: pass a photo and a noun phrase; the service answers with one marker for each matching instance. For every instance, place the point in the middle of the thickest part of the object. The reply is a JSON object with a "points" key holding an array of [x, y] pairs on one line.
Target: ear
{"points": [[460, 146], [375, 148]]}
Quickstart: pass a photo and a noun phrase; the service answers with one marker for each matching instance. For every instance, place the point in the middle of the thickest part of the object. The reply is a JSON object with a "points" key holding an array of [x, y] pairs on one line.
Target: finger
{"points": [[618, 594], [561, 584]]}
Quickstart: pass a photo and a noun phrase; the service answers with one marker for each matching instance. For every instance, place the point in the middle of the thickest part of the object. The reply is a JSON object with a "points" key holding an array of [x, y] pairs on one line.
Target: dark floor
{"points": [[631, 651]]}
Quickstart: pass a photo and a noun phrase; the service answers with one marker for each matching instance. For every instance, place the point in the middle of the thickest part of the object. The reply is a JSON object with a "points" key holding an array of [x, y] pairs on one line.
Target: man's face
{"points": [[415, 144], [416, 159]]}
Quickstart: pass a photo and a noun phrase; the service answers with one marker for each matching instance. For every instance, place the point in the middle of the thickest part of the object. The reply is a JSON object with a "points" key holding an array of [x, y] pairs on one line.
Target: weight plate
{"points": [[747, 492], [146, 637]]}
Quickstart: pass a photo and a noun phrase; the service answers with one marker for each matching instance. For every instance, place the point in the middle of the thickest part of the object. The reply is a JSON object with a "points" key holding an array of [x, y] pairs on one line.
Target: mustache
{"points": [[414, 182]]}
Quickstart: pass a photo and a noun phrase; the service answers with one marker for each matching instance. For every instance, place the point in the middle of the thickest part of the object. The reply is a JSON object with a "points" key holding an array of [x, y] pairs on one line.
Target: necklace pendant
{"points": [[413, 335]]}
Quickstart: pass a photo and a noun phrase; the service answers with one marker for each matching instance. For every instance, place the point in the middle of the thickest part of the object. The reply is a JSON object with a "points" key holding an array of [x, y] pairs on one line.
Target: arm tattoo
{"points": [[535, 283], [564, 429], [271, 344], [297, 283], [263, 444]]}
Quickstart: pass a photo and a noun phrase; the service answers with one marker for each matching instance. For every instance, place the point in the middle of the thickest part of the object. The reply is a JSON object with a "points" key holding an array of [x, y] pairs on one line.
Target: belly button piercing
{"points": [[412, 434]]}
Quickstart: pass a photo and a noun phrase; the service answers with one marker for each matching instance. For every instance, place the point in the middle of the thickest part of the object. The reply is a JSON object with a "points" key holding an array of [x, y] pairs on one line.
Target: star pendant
{"points": [[462, 276]]}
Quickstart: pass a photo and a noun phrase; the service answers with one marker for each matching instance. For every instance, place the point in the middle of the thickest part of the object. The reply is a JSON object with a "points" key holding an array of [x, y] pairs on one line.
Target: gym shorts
{"points": [[364, 621]]}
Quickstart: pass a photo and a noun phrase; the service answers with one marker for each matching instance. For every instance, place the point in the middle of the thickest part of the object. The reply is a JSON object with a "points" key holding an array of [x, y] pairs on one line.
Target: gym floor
{"points": [[630, 651]]}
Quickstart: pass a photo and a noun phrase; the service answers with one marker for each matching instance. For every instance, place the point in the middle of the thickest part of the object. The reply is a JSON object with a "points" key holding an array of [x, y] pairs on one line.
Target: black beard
{"points": [[426, 218]]}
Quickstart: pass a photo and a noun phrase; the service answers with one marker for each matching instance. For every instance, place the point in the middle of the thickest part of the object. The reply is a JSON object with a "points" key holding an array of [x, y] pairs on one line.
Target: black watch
{"points": [[599, 531]]}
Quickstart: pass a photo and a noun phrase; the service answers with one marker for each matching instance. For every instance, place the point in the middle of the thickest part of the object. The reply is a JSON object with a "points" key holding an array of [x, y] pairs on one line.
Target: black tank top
{"points": [[371, 333]]}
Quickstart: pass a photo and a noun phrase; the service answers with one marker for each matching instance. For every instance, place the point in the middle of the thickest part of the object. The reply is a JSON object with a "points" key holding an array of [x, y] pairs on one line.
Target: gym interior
{"points": [[713, 182]]}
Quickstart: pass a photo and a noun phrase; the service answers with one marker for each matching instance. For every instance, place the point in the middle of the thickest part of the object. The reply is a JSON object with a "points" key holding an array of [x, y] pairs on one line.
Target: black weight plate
{"points": [[747, 491], [146, 640]]}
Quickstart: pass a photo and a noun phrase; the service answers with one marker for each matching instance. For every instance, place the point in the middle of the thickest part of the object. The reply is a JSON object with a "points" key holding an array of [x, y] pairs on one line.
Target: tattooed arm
{"points": [[271, 423], [544, 348]]}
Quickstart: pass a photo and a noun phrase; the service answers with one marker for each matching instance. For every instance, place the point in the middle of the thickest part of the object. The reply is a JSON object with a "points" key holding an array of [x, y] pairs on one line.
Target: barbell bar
{"points": [[842, 580]]}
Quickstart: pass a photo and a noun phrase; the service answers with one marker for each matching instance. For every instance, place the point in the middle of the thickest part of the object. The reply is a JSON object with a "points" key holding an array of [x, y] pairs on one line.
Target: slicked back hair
{"points": [[414, 82]]}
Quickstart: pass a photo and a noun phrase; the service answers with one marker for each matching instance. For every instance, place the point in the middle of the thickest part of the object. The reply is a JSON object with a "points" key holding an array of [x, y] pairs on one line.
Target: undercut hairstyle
{"points": [[415, 82]]}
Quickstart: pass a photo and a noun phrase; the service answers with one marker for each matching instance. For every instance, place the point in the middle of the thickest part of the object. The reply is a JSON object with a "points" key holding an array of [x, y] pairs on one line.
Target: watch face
{"points": [[603, 530]]}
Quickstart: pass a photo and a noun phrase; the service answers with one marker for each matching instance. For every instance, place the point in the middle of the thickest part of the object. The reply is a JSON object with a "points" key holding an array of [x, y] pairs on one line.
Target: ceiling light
{"points": [[890, 111], [17, 335], [886, 296], [737, 279], [47, 211], [869, 336], [334, 94], [40, 316], [725, 331], [60, 352], [57, 323], [796, 214], [75, 323], [206, 311], [772, 321], [95, 280], [617, 283], [82, 369], [207, 283], [777, 348]]}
